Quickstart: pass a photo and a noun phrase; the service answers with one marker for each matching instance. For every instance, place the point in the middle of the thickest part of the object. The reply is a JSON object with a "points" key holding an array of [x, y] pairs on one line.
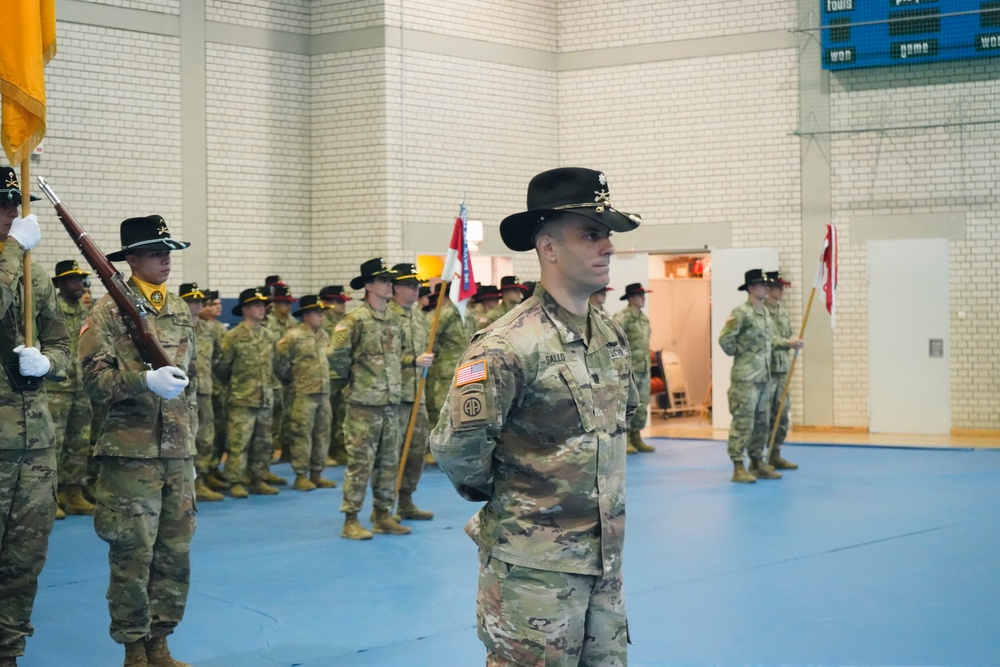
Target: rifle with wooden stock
{"points": [[129, 304]]}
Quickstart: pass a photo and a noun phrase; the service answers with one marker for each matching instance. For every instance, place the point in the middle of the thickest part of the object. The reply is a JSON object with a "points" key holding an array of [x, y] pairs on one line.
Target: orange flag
{"points": [[28, 44]]}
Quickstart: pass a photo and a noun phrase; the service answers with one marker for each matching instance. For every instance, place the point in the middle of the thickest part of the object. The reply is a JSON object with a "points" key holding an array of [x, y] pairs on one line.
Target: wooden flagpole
{"points": [[29, 316], [788, 378]]}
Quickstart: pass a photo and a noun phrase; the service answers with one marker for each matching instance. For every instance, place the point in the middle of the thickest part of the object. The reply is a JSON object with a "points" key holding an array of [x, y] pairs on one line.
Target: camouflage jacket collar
{"points": [[68, 308], [601, 333]]}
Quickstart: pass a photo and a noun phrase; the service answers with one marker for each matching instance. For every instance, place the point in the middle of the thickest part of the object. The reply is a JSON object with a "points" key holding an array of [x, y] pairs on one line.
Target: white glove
{"points": [[167, 382], [26, 231], [31, 362]]}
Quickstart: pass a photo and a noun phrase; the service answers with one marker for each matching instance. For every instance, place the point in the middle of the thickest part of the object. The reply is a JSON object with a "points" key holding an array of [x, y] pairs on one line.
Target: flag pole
{"points": [[420, 392], [788, 378], [29, 317]]}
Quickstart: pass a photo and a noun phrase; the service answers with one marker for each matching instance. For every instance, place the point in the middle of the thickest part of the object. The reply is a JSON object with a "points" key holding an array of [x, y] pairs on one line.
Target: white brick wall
{"points": [[287, 15], [341, 15], [161, 6], [258, 130], [524, 23]]}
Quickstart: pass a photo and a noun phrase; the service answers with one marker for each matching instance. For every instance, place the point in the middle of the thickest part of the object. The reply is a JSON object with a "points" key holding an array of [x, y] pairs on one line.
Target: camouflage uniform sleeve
{"points": [[729, 336], [227, 354], [488, 381], [102, 378], [53, 337], [10, 270], [191, 391], [341, 344], [283, 351]]}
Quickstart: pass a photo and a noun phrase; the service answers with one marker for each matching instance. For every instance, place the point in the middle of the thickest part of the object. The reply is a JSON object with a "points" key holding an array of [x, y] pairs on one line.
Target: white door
{"points": [[909, 371], [626, 268], [728, 269]]}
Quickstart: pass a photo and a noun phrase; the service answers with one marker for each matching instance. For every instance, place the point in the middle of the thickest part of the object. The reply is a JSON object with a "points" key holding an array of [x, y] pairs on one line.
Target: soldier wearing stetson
{"points": [[68, 403], [636, 326], [146, 447], [209, 347], [780, 364], [246, 368], [599, 297], [450, 342], [300, 362], [534, 428], [511, 294], [747, 336], [415, 360], [335, 299], [278, 321], [366, 349], [27, 436]]}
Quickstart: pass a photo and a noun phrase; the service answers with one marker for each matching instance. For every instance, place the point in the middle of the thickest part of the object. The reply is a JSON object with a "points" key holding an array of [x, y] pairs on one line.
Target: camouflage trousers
{"points": [[309, 432], [248, 443], [277, 418], [750, 406], [204, 440], [639, 418], [371, 434], [27, 511], [71, 415], [414, 467], [219, 413], [338, 409], [775, 387], [552, 619], [146, 514]]}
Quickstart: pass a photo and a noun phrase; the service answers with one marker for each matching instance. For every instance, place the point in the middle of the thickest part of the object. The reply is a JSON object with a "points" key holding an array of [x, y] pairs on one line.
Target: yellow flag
{"points": [[27, 45]]}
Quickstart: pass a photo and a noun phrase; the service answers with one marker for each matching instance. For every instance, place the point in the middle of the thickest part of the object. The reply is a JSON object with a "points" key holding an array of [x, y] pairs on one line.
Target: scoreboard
{"points": [[872, 33]]}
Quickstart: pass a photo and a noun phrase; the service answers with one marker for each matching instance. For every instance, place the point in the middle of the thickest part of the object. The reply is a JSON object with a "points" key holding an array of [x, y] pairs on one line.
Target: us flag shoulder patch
{"points": [[469, 373]]}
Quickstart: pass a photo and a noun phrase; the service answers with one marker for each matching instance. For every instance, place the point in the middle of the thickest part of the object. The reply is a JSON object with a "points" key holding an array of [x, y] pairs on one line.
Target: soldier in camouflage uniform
{"points": [[511, 293], [484, 301], [415, 359], [27, 436], [209, 349], [210, 312], [636, 326], [450, 343], [145, 484], [246, 369], [747, 336], [336, 306], [535, 427], [366, 349], [68, 403], [599, 297], [779, 369], [300, 362], [279, 320]]}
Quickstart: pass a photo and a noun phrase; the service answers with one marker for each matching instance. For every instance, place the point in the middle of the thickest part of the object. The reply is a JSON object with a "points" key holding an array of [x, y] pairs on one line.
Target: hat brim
{"points": [[238, 308], [70, 274], [359, 282], [744, 286], [780, 282], [301, 311], [6, 197], [165, 244], [624, 297], [518, 230]]}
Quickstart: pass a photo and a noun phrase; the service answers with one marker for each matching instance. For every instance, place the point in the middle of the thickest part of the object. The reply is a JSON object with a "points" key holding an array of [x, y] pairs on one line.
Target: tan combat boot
{"points": [[238, 491], [761, 470], [271, 478], [382, 522], [321, 483], [303, 484], [261, 488], [353, 530], [76, 503], [635, 439], [741, 475], [158, 655], [405, 509], [135, 655], [215, 481], [779, 463], [59, 513], [204, 494]]}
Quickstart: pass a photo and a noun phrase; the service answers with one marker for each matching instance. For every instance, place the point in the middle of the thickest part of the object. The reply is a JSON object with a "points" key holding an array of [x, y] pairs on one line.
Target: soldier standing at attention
{"points": [[209, 349], [747, 337], [599, 297], [405, 289], [779, 368], [246, 368], [449, 345], [486, 299], [27, 436], [511, 294], [278, 321], [210, 315], [145, 484], [336, 306], [300, 362], [535, 427], [636, 326], [68, 403], [366, 349]]}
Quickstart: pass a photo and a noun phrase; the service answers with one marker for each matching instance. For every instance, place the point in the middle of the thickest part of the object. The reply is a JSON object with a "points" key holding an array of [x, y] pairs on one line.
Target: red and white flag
{"points": [[826, 272], [458, 263]]}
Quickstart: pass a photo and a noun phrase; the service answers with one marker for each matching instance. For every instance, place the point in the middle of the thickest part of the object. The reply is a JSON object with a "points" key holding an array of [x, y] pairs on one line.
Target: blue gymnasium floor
{"points": [[865, 556]]}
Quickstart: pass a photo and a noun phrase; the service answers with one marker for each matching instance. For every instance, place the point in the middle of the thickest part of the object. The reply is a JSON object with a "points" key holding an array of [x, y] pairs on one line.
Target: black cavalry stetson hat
{"points": [[369, 270], [248, 296], [333, 293], [574, 189], [149, 233], [486, 292], [280, 292], [774, 277], [752, 276], [10, 190], [67, 269], [510, 282], [309, 302], [190, 292], [405, 272], [632, 289]]}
